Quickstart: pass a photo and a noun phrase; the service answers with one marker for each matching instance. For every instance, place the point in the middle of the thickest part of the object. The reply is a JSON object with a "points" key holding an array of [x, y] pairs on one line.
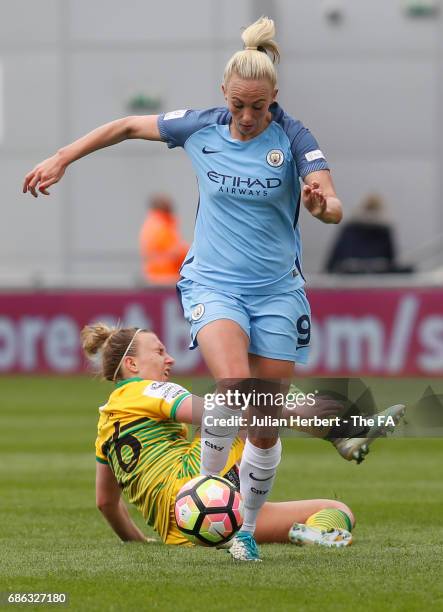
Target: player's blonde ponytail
{"points": [[93, 337], [260, 53], [113, 343]]}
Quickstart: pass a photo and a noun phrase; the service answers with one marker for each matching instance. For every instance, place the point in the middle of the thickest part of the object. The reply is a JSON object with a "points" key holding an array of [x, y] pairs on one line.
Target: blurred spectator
{"points": [[161, 247], [365, 243]]}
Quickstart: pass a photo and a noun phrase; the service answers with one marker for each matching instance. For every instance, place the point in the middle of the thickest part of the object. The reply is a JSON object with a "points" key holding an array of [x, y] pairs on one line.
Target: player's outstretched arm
{"points": [[112, 506], [320, 199], [50, 171], [191, 410]]}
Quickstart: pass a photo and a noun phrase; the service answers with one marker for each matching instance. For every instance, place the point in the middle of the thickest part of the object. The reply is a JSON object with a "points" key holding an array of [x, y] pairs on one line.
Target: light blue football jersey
{"points": [[247, 239]]}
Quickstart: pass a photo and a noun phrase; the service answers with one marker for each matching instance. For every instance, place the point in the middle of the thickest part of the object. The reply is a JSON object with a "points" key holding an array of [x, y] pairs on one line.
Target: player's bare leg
{"points": [[223, 344], [262, 452], [229, 365]]}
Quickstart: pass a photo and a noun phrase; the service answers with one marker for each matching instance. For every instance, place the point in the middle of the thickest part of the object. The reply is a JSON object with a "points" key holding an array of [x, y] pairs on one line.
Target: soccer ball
{"points": [[208, 510]]}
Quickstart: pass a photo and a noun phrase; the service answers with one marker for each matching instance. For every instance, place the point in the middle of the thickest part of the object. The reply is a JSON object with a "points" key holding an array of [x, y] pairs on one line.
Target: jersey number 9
{"points": [[304, 330]]}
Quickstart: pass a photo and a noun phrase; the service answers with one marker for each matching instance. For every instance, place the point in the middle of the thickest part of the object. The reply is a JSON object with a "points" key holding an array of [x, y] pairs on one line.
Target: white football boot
{"points": [[303, 535], [356, 449]]}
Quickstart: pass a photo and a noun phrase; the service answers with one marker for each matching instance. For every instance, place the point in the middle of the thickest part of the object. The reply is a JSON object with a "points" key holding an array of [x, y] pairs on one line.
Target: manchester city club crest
{"points": [[275, 158], [197, 312]]}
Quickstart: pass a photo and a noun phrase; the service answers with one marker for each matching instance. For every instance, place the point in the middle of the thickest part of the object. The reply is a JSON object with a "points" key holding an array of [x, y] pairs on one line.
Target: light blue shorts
{"points": [[278, 326]]}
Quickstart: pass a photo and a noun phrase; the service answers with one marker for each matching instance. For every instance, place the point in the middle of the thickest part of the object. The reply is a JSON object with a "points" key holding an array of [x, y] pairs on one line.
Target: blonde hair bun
{"points": [[94, 337], [256, 61], [259, 36]]}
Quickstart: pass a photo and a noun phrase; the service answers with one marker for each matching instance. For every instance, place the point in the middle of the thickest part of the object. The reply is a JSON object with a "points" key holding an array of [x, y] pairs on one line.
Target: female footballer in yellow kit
{"points": [[142, 449]]}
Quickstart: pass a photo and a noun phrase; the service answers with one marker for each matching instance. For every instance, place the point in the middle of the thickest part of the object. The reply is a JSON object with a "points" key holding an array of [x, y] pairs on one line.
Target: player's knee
{"points": [[235, 387], [233, 374]]}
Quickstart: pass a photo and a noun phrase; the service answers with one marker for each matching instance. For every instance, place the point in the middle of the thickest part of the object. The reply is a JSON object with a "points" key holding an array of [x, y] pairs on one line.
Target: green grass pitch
{"points": [[52, 538]]}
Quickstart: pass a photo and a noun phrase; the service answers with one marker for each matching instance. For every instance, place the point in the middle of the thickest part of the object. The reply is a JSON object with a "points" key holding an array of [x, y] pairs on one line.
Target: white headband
{"points": [[125, 353]]}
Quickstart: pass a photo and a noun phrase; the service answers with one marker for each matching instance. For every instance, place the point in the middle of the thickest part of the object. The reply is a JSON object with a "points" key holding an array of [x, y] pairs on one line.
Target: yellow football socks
{"points": [[330, 518]]}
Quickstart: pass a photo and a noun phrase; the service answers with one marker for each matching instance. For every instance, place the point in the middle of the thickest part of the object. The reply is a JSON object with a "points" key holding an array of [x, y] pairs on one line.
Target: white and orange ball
{"points": [[209, 510]]}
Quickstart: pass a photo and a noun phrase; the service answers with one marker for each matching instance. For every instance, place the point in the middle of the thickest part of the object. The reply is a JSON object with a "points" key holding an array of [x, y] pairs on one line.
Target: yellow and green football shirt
{"points": [[147, 449]]}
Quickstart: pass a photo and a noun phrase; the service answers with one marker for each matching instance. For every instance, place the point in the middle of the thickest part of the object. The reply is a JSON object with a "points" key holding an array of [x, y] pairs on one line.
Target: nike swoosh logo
{"points": [[213, 434], [251, 475], [209, 151]]}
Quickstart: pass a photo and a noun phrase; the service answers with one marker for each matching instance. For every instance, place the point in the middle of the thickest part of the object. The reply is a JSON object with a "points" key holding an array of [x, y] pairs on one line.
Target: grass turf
{"points": [[53, 539]]}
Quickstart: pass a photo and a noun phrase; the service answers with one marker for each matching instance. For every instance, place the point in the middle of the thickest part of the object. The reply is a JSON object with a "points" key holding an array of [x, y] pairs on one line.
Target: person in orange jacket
{"points": [[162, 248]]}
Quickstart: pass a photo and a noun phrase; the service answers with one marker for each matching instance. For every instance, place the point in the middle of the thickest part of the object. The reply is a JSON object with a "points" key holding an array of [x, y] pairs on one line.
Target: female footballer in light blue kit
{"points": [[242, 281], [242, 286]]}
